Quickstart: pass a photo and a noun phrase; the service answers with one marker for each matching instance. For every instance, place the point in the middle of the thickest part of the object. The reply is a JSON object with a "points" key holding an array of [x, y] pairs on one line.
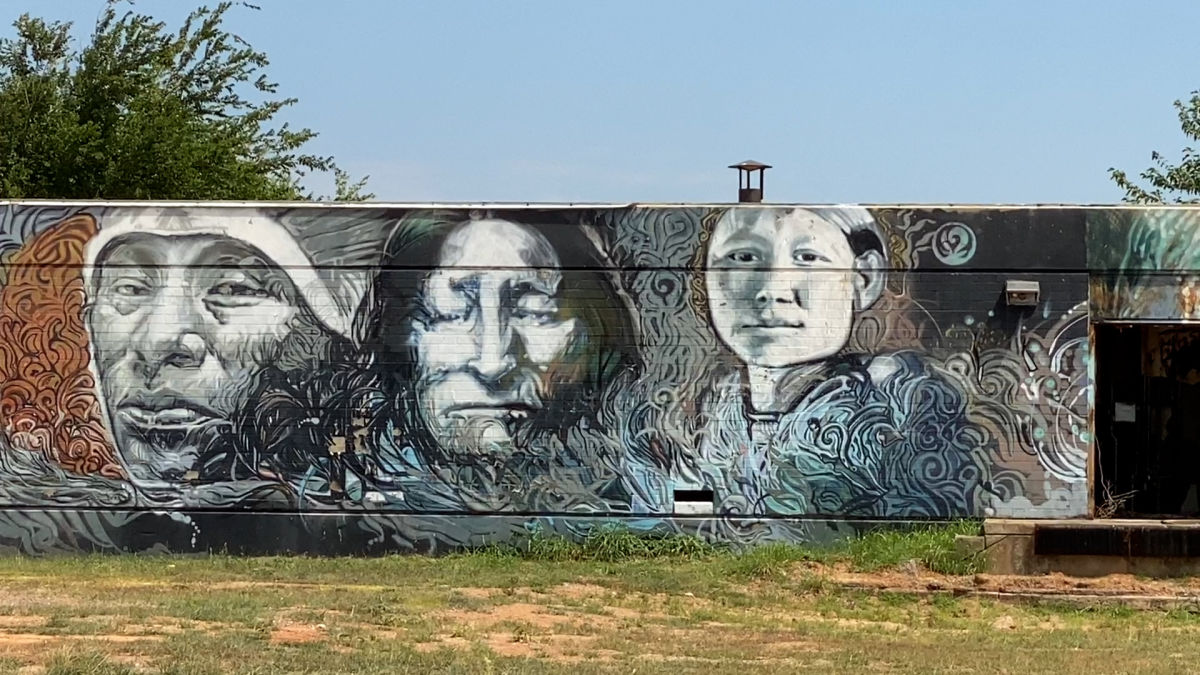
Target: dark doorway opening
{"points": [[1147, 420]]}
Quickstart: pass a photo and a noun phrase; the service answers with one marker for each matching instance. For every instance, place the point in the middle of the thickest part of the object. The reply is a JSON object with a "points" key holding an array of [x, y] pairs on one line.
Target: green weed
{"points": [[606, 543], [73, 662], [931, 546], [765, 561]]}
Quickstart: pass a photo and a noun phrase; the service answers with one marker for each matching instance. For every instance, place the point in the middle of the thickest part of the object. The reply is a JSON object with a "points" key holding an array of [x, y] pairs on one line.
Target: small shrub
{"points": [[766, 561], [551, 548], [931, 546]]}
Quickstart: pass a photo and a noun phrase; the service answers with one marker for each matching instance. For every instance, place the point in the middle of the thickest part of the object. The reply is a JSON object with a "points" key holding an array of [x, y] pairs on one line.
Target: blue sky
{"points": [[882, 101]]}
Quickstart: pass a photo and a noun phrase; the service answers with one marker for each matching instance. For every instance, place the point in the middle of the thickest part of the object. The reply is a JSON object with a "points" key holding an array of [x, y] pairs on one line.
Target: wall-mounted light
{"points": [[1022, 293]]}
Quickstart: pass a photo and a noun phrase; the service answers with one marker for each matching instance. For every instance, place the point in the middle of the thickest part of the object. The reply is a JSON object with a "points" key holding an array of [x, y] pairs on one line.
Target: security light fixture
{"points": [[1022, 293]]}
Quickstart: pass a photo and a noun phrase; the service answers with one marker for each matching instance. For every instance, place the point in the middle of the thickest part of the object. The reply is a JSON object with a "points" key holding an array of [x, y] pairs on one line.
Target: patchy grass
{"points": [[610, 604], [588, 627], [601, 620], [73, 662]]}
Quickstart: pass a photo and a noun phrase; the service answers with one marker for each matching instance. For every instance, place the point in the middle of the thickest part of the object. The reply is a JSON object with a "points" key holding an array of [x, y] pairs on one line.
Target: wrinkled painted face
{"points": [[181, 326], [494, 332], [781, 286]]}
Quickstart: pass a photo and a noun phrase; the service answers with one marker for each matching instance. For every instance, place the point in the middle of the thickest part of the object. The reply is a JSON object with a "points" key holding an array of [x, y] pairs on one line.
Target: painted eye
{"points": [[743, 257], [233, 289], [808, 257], [131, 289], [537, 318]]}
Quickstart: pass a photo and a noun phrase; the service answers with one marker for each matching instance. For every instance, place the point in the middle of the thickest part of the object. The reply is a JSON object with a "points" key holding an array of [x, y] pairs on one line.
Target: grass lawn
{"points": [[606, 607]]}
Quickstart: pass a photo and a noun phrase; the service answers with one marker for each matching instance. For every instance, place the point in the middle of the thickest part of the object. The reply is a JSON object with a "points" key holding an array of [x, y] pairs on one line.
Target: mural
{"points": [[327, 378], [802, 425], [1146, 264]]}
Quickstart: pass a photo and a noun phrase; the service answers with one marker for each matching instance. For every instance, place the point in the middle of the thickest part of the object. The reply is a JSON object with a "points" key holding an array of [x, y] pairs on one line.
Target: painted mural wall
{"points": [[328, 378]]}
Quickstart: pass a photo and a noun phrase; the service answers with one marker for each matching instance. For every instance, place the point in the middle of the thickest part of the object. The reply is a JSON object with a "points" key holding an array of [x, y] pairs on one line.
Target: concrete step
{"points": [[1090, 547]]}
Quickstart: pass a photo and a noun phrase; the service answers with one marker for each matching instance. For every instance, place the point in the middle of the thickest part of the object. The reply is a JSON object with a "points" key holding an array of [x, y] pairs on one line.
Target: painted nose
{"points": [[170, 337], [493, 358], [183, 351], [776, 288]]}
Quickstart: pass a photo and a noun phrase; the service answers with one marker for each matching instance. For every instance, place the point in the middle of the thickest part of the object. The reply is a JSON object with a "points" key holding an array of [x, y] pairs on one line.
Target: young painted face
{"points": [[495, 329], [181, 326], [783, 285]]}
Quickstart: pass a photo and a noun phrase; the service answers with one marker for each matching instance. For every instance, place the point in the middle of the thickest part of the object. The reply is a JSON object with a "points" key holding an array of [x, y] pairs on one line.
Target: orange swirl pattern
{"points": [[48, 400]]}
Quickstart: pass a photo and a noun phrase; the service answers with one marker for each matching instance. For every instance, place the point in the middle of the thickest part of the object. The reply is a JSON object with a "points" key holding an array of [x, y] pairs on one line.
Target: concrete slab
{"points": [[1087, 547], [1005, 526]]}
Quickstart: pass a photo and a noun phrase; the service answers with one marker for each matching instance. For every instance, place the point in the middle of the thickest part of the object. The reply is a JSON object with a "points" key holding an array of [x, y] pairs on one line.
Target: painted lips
{"points": [[514, 411], [166, 411], [769, 327]]}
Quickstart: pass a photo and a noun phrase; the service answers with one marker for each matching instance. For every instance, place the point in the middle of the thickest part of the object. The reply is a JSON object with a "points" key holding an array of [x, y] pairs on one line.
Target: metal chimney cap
{"points": [[750, 165]]}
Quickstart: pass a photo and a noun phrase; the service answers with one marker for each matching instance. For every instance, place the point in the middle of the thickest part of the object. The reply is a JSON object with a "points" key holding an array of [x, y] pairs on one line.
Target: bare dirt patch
{"points": [[553, 632], [34, 646], [558, 648], [552, 647], [843, 622], [578, 591], [536, 616], [478, 593], [792, 646], [288, 632], [20, 621], [920, 580]]}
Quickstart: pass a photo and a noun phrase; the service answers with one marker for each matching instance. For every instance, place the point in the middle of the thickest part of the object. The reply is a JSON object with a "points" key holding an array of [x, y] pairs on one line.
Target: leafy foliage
{"points": [[1178, 183], [143, 112]]}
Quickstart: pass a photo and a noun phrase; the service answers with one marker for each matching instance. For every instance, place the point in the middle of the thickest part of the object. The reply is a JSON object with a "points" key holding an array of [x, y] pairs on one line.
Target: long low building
{"points": [[317, 378]]}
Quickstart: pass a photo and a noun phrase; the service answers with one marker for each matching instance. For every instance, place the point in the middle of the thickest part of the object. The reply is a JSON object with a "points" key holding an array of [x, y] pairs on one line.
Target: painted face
{"points": [[181, 326], [493, 334], [782, 286]]}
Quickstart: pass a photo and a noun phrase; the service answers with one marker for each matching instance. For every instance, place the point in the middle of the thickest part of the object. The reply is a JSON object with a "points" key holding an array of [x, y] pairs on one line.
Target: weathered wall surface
{"points": [[340, 379], [1146, 264]]}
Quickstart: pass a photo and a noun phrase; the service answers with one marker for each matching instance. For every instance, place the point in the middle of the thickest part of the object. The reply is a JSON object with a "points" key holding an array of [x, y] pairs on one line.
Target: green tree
{"points": [[143, 112], [1167, 182]]}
